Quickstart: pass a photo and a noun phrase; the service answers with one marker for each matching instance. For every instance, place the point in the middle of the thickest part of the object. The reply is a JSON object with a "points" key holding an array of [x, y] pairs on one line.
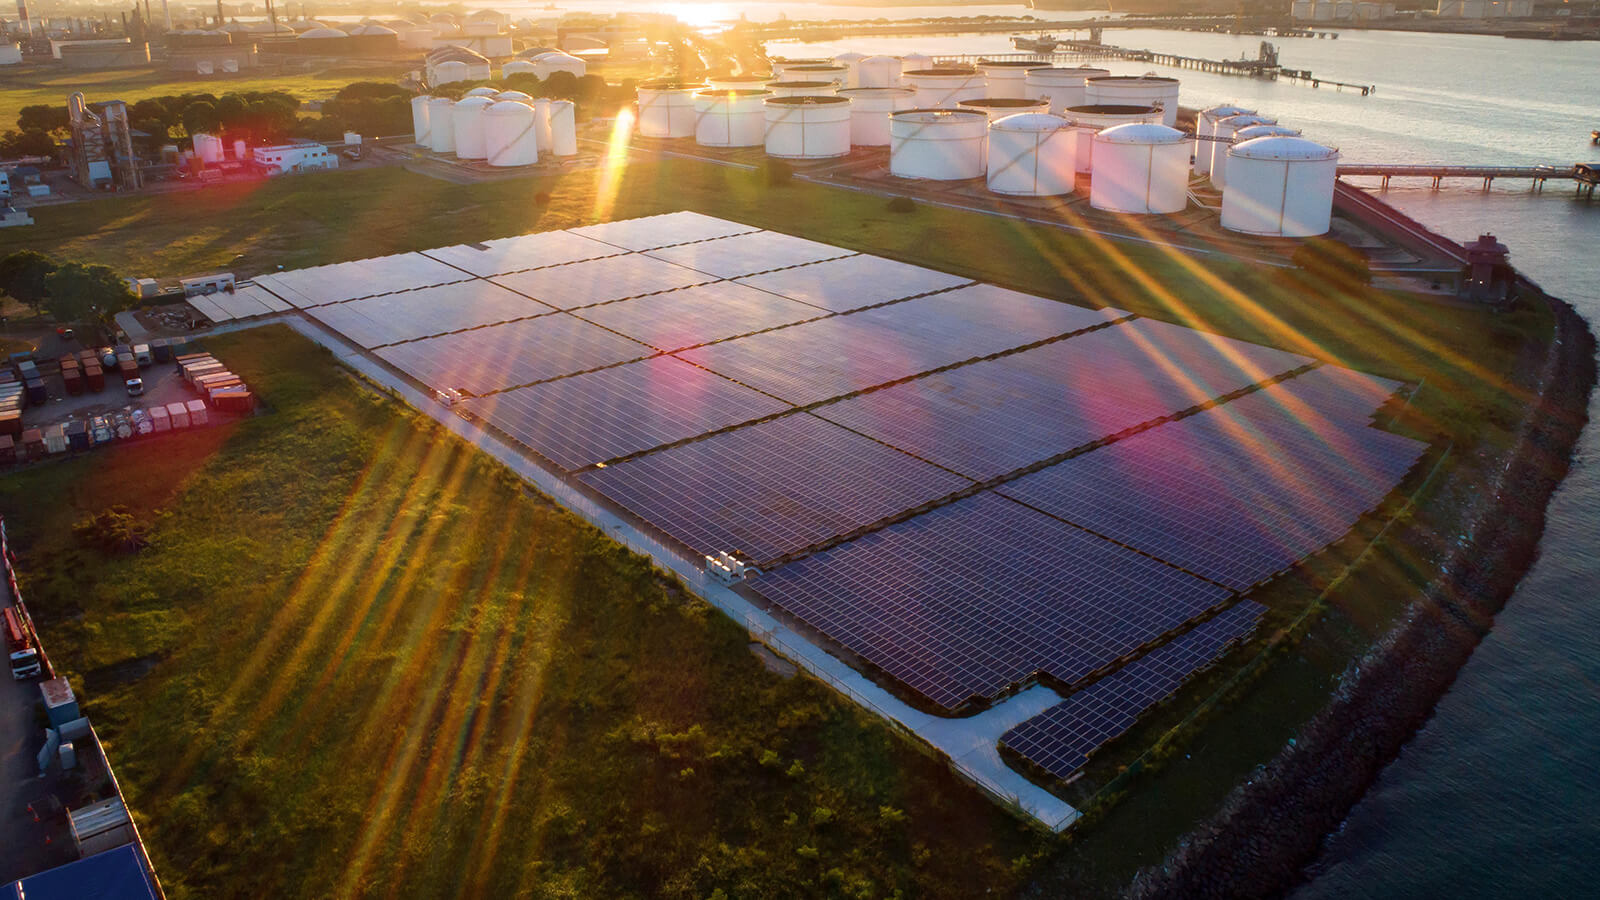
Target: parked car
{"points": [[135, 386], [108, 357]]}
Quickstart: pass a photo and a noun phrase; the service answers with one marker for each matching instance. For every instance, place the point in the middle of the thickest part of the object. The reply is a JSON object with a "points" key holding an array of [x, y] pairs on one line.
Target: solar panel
{"points": [[747, 254], [524, 251], [601, 280], [597, 416], [995, 416], [247, 300], [698, 315], [361, 278], [1060, 739], [650, 232], [853, 282], [1236, 493], [979, 595], [409, 315], [842, 354], [771, 488], [516, 353]]}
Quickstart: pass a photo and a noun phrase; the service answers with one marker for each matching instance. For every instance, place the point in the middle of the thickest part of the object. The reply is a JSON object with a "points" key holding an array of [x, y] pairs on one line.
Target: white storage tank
{"points": [[551, 63], [939, 144], [879, 72], [518, 96], [419, 119], [1225, 130], [807, 127], [1094, 118], [870, 108], [738, 83], [1140, 168], [1136, 90], [563, 127], [1000, 107], [1206, 126], [910, 62], [480, 92], [788, 88], [729, 118], [818, 72], [943, 88], [1280, 186], [442, 125], [1007, 78], [1063, 87], [851, 60], [452, 70], [781, 65], [509, 134], [666, 108], [1032, 155], [241, 153], [208, 148], [541, 123], [1256, 131], [468, 121], [515, 66]]}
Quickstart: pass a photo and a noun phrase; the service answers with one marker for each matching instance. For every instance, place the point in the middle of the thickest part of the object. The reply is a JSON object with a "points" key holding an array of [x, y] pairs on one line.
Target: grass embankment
{"points": [[359, 659]]}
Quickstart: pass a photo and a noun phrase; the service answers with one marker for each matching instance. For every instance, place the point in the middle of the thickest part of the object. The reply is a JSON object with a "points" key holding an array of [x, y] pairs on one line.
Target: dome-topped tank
{"points": [[510, 137], [1136, 90], [481, 92], [1225, 130], [938, 144], [879, 72], [1205, 126], [1063, 87], [1093, 118], [441, 125], [1140, 168], [851, 61], [470, 142], [1032, 155], [1280, 186], [518, 96], [1007, 78]]}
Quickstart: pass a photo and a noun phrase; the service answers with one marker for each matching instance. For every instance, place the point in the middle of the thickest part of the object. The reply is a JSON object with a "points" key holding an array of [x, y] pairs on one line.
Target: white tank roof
{"points": [[514, 95], [1224, 110], [473, 102], [321, 33], [939, 116], [508, 108], [1030, 122], [1255, 131], [1141, 133], [1283, 148], [481, 92]]}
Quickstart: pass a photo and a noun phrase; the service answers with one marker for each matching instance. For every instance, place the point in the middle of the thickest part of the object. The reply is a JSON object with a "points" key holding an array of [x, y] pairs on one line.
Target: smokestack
{"points": [[219, 13], [22, 16]]}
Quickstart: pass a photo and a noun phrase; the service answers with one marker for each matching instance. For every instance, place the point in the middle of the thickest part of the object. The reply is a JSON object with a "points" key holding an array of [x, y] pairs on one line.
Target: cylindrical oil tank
{"points": [[1000, 107], [780, 65], [820, 72], [441, 125], [514, 66], [509, 134], [1032, 155], [729, 118], [1257, 131], [208, 147], [419, 118], [518, 96], [1280, 186], [469, 127], [542, 123], [738, 83], [451, 71], [807, 127], [943, 88], [879, 72], [563, 128], [1093, 118], [1225, 130], [939, 144], [851, 60], [870, 108], [240, 151], [910, 62], [1136, 90], [666, 108], [1007, 78], [551, 63], [1140, 168], [480, 92], [1063, 87], [802, 88], [1205, 126]]}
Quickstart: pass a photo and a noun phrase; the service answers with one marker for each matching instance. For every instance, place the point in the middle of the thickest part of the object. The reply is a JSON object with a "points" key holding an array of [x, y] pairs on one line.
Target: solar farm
{"points": [[959, 490]]}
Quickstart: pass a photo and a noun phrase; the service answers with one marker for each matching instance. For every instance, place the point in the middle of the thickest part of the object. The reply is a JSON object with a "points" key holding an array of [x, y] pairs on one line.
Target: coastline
{"points": [[1272, 827]]}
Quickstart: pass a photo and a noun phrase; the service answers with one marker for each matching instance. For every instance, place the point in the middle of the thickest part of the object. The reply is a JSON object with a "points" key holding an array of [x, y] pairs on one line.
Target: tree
{"points": [[80, 293], [200, 117], [154, 109], [43, 118], [561, 85], [231, 111], [23, 273], [27, 143]]}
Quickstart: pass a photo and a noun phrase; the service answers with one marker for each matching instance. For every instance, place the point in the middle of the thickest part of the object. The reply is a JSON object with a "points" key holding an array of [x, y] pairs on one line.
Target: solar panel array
{"points": [[598, 416], [517, 353], [600, 280], [747, 254], [650, 232], [1239, 492], [1060, 739], [524, 251], [408, 315], [698, 315], [852, 282], [339, 282]]}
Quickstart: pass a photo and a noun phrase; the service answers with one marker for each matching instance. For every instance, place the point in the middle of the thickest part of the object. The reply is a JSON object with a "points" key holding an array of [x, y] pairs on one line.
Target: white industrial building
{"points": [[285, 159], [1484, 9]]}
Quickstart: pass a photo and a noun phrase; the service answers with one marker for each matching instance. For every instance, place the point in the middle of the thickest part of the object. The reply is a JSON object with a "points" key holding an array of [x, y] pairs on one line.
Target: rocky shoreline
{"points": [[1273, 826]]}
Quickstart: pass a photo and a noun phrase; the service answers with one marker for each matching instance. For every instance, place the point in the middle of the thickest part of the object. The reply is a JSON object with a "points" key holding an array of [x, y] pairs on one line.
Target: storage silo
{"points": [[1000, 107], [666, 108], [1280, 186], [551, 63], [541, 123], [510, 137], [943, 88], [518, 96], [1224, 132], [1206, 126], [441, 125], [781, 65], [208, 148], [870, 108], [802, 88], [1063, 87], [515, 67], [480, 92], [450, 71], [879, 72], [729, 118], [910, 62], [468, 121], [1094, 118], [1032, 155], [938, 144], [819, 72], [1140, 168], [563, 127], [1007, 78], [419, 118], [1136, 90], [851, 60], [807, 127], [738, 83]]}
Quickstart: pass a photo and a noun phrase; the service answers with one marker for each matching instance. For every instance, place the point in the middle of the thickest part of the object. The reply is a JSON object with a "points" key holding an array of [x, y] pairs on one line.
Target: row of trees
{"points": [[71, 292]]}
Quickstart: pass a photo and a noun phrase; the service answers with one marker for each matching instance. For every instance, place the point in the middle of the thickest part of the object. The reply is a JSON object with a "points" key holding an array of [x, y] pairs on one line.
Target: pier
{"points": [[1586, 175]]}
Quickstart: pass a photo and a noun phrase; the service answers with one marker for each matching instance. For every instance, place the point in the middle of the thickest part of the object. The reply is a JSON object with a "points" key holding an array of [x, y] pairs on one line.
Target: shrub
{"points": [[902, 205], [779, 172], [113, 530]]}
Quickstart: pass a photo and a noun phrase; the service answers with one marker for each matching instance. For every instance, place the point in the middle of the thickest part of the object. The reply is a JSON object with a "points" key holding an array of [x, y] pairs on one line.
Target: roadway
{"points": [[27, 846]]}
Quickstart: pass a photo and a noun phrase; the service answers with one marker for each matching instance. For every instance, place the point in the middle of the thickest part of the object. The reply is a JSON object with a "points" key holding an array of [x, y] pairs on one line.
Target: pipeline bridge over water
{"points": [[1585, 175]]}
